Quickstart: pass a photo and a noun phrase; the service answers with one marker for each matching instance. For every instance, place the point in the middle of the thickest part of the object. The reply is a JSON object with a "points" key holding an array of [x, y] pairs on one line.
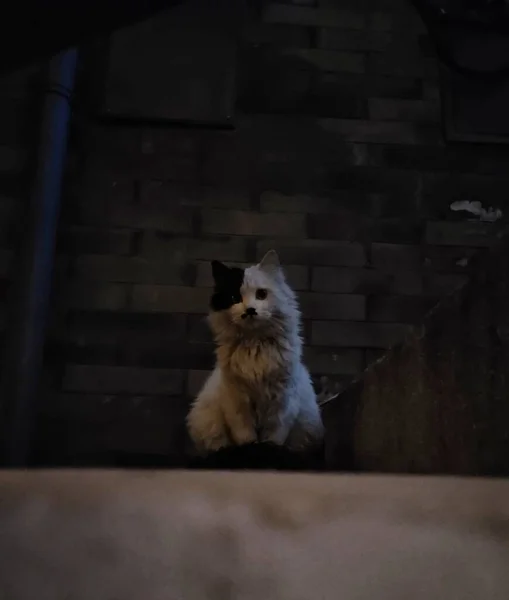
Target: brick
{"points": [[296, 275], [160, 193], [332, 306], [134, 270], [380, 132], [12, 159], [236, 222], [331, 361], [6, 263], [460, 233], [279, 35], [367, 179], [83, 408], [348, 226], [211, 197], [440, 190], [170, 299], [147, 352], [393, 87], [396, 256], [315, 252], [195, 381], [448, 258], [380, 21], [349, 39], [152, 340], [273, 201], [431, 91], [192, 196], [103, 141], [351, 89], [365, 281], [117, 212], [430, 158], [299, 174], [93, 296], [198, 329], [396, 230], [17, 84], [122, 380], [312, 17], [135, 151], [86, 240], [166, 194], [178, 168], [95, 188], [385, 109], [103, 409], [399, 64], [229, 161], [357, 335], [337, 96], [168, 141], [270, 82], [189, 249], [443, 284], [11, 220], [398, 309], [88, 348], [100, 429], [13, 121], [322, 160], [122, 326], [324, 60], [408, 21]]}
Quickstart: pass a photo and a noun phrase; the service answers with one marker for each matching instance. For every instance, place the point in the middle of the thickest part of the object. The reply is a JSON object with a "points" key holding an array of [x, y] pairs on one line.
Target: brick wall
{"points": [[19, 118], [337, 161]]}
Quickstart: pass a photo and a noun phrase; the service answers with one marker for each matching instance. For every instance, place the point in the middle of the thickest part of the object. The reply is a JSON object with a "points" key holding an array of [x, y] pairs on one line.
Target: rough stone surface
{"points": [[436, 403], [390, 537]]}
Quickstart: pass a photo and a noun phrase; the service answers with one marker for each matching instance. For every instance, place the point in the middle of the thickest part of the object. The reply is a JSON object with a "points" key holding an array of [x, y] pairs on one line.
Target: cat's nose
{"points": [[250, 312]]}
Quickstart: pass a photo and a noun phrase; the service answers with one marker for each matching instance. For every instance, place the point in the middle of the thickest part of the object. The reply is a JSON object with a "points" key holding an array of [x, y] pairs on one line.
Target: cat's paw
{"points": [[244, 436], [329, 390]]}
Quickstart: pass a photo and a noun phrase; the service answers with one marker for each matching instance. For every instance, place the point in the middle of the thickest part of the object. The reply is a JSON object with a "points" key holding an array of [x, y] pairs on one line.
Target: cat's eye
{"points": [[236, 299], [261, 294]]}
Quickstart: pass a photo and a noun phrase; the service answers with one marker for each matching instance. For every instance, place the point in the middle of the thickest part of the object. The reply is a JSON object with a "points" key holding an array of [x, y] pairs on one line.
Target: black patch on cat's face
{"points": [[227, 284]]}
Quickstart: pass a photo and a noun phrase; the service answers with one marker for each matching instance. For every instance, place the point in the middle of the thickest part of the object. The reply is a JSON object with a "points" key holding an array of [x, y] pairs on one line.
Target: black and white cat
{"points": [[259, 390]]}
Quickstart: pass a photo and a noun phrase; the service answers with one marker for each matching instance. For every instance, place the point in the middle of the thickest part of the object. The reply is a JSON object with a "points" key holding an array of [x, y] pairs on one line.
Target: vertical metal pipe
{"points": [[23, 356]]}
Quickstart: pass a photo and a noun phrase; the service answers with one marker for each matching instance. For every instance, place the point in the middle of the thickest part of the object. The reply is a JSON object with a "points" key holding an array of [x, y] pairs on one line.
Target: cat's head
{"points": [[254, 298]]}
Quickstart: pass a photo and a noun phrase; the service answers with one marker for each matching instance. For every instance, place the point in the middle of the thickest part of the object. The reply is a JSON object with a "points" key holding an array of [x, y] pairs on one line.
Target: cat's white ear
{"points": [[270, 261]]}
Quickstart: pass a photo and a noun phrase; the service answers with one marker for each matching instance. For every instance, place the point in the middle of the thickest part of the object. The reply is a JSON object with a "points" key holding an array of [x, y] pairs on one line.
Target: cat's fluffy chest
{"points": [[255, 361]]}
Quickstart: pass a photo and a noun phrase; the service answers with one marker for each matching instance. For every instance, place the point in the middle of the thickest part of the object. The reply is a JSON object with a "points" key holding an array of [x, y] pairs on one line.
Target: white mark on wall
{"points": [[476, 208], [462, 262]]}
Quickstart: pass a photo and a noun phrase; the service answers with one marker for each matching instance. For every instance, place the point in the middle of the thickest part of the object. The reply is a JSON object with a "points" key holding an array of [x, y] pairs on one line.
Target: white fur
{"points": [[259, 389]]}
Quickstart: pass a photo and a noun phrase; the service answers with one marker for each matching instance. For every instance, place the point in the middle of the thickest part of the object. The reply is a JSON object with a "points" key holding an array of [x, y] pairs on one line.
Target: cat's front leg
{"points": [[239, 418], [275, 433], [277, 425]]}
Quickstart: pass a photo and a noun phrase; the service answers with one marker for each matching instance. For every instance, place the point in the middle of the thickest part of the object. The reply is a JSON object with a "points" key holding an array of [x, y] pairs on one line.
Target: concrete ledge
{"points": [[197, 535]]}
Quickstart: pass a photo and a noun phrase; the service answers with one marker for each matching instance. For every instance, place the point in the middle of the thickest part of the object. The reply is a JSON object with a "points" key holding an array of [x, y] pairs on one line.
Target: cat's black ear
{"points": [[219, 270]]}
